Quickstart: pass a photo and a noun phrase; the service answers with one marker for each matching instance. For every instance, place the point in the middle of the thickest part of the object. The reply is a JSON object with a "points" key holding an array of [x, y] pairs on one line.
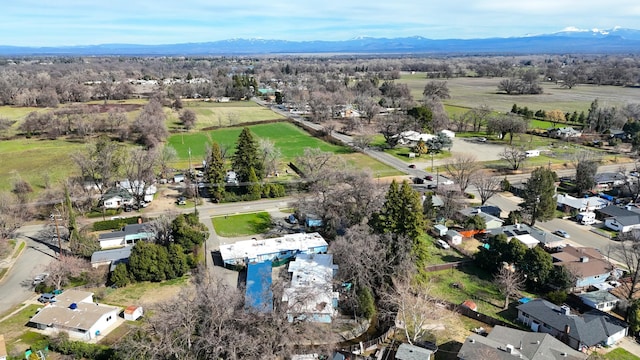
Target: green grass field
{"points": [[35, 160], [242, 224], [228, 114], [473, 92], [290, 139]]}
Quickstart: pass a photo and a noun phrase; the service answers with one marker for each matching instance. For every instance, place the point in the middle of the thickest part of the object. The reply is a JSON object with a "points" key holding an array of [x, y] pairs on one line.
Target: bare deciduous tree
{"points": [[139, 170], [188, 118], [462, 169], [514, 156], [64, 268], [417, 312], [487, 186], [627, 250], [509, 282], [271, 155]]}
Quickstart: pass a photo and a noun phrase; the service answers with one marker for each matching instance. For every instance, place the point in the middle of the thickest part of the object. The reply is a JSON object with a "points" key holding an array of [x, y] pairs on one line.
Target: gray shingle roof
{"points": [[593, 327], [527, 345]]}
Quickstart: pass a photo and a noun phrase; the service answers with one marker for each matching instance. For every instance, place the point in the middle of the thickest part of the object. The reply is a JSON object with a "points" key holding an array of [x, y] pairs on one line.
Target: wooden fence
{"points": [[446, 266]]}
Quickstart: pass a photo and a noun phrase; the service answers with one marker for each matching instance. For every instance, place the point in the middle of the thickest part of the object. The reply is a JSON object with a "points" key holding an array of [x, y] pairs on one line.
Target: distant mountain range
{"points": [[616, 40]]}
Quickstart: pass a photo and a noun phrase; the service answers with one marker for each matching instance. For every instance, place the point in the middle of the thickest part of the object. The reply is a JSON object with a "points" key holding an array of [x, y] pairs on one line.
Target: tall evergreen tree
{"points": [[254, 188], [585, 176], [214, 172], [402, 212], [247, 157], [539, 203]]}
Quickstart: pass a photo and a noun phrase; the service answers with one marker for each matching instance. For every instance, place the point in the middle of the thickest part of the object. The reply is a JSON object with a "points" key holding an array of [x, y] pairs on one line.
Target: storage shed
{"points": [[133, 313], [455, 237], [440, 230]]}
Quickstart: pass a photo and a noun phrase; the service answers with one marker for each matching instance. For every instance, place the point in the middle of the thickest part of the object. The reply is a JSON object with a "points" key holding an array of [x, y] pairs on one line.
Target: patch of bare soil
{"points": [[165, 199]]}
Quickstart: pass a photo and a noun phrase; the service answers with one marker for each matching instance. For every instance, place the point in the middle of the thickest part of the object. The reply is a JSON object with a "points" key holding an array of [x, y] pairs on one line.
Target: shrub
{"points": [[114, 224], [366, 303], [557, 296], [79, 349]]}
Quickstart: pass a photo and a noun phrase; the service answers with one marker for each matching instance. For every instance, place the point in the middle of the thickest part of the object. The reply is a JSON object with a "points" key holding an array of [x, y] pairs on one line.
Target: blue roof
{"points": [[258, 295]]}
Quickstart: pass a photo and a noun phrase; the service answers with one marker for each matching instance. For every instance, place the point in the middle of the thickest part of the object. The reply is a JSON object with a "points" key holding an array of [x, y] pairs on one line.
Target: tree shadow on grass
{"points": [[261, 223], [448, 351]]}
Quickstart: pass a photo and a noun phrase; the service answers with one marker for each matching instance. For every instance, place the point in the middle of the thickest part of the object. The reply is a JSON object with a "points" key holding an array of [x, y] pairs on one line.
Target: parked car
{"points": [[47, 298], [432, 186], [634, 173], [446, 181], [40, 278], [443, 244], [562, 233], [291, 219], [417, 180], [182, 200], [428, 178], [482, 139]]}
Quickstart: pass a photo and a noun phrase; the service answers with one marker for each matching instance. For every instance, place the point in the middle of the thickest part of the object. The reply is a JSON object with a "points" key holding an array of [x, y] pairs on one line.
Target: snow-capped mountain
{"points": [[570, 40]]}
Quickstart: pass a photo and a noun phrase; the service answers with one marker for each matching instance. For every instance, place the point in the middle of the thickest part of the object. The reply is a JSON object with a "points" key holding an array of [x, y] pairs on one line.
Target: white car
{"points": [[40, 278], [445, 181], [443, 244]]}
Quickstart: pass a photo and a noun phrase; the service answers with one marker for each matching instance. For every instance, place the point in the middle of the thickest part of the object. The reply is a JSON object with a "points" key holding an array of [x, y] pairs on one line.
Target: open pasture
{"points": [[473, 92]]}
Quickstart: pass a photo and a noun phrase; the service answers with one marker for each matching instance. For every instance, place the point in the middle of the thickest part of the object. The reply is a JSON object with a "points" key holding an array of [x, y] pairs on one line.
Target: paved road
{"points": [[580, 235], [16, 285]]}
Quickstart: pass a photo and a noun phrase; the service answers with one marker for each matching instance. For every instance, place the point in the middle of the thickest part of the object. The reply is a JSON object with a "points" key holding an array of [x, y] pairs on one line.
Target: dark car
{"points": [[291, 219], [412, 166], [428, 178], [418, 180], [432, 186]]}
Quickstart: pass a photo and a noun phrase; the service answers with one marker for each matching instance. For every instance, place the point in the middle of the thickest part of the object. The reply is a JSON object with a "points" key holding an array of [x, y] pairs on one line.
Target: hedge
{"points": [[114, 224]]}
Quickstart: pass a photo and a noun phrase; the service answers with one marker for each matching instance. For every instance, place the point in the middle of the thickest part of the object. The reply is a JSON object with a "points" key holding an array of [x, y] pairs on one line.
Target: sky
{"points": [[150, 22]]}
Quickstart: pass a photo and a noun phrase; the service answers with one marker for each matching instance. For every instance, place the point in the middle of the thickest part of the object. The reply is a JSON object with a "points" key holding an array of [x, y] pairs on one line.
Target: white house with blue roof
{"points": [[276, 249]]}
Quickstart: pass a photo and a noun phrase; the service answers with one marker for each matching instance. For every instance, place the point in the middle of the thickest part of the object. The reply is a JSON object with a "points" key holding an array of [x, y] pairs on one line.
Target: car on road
{"points": [[443, 244], [47, 298], [432, 186], [481, 139], [562, 233], [446, 181], [40, 278], [412, 166], [428, 178], [634, 173]]}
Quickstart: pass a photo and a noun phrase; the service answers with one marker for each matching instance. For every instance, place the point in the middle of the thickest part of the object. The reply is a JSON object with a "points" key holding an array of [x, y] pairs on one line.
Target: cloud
{"points": [[70, 22]]}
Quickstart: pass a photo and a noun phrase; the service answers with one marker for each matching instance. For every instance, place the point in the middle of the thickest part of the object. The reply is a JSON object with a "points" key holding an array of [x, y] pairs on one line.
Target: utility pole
{"points": [[55, 220]]}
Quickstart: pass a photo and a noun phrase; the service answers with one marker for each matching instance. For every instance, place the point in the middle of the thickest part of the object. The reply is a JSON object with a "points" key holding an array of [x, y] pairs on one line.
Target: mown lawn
{"points": [[290, 139], [620, 354], [228, 114], [242, 224], [15, 327], [141, 291]]}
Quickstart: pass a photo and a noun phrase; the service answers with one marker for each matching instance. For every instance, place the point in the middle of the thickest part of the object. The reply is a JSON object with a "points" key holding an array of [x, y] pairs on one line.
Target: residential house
{"points": [[621, 219], [75, 312], [116, 198], [618, 134], [587, 264], [569, 203], [609, 180], [449, 133], [128, 236], [529, 236], [111, 258], [492, 222], [602, 300], [564, 132], [275, 249], [411, 352], [311, 297], [258, 294], [139, 188], [411, 137], [504, 343], [580, 332]]}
